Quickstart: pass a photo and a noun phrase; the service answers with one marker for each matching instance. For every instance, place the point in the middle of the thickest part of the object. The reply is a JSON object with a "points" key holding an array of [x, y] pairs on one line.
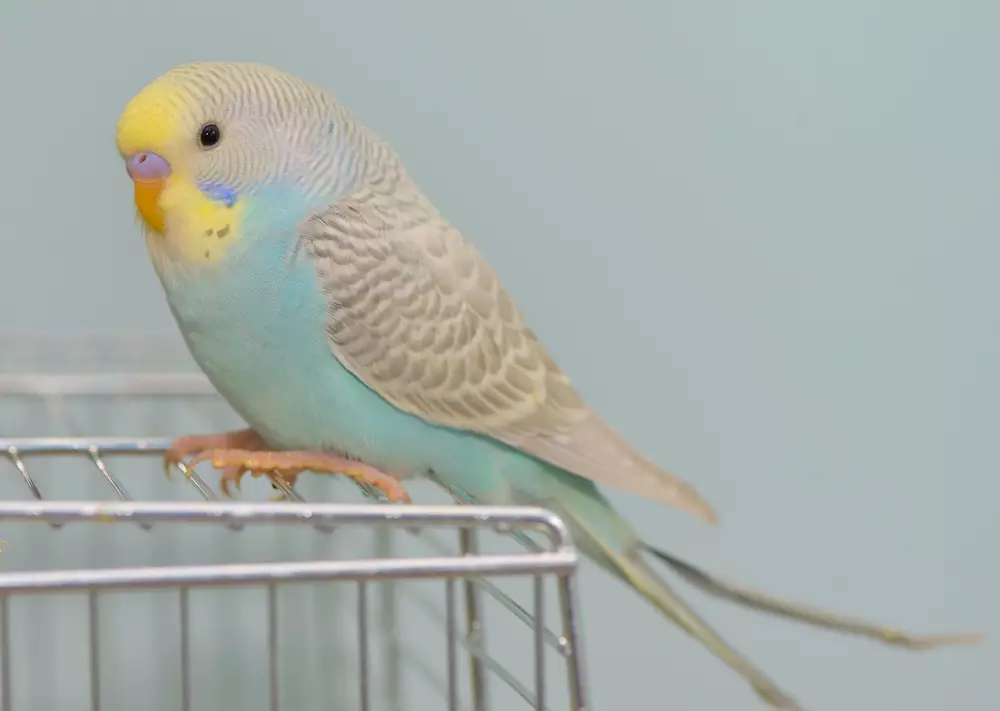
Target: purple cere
{"points": [[147, 166]]}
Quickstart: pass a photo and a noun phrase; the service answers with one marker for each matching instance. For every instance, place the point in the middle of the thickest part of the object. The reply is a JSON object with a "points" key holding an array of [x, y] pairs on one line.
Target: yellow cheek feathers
{"points": [[196, 228]]}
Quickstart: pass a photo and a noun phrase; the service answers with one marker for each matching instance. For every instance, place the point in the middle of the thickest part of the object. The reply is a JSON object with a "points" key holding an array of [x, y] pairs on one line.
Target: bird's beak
{"points": [[149, 173]]}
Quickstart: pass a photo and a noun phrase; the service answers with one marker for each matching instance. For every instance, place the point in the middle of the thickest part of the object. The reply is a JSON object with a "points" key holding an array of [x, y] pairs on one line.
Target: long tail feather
{"points": [[763, 602]]}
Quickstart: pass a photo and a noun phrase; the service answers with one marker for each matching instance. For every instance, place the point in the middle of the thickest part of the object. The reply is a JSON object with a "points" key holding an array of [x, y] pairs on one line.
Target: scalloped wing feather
{"points": [[417, 314]]}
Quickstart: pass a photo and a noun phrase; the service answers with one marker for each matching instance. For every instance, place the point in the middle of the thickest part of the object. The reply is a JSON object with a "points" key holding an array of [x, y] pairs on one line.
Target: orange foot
{"points": [[185, 447], [286, 467]]}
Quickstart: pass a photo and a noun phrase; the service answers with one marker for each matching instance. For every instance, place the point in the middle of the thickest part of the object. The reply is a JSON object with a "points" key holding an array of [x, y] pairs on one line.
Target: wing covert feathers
{"points": [[417, 314]]}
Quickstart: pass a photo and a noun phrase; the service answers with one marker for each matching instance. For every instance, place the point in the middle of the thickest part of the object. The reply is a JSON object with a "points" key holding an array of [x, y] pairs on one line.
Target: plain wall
{"points": [[761, 237]]}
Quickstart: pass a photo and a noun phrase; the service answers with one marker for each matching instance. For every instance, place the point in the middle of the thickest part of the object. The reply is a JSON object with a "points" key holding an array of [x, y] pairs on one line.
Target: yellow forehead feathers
{"points": [[154, 119]]}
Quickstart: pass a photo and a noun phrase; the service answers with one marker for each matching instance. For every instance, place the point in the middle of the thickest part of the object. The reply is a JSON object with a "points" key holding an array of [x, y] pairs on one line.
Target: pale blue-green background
{"points": [[762, 237]]}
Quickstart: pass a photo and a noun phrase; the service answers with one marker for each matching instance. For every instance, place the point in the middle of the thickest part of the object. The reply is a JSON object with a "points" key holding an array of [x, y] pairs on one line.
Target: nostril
{"points": [[147, 166]]}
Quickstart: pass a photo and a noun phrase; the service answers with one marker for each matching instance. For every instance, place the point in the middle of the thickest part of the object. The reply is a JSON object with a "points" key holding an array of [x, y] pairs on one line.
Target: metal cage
{"points": [[64, 388]]}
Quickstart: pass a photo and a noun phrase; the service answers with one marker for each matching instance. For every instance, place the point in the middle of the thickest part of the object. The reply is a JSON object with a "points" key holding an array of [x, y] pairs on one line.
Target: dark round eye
{"points": [[210, 135]]}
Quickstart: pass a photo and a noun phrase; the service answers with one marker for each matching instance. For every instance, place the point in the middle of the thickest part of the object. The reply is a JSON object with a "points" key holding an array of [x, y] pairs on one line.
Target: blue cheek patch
{"points": [[219, 192]]}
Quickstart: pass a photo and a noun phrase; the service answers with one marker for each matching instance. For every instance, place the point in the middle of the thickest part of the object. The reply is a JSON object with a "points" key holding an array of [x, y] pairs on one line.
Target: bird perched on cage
{"points": [[358, 332]]}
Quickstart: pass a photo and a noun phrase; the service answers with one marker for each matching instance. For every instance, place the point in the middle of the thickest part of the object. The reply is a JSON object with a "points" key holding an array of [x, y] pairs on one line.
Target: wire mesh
{"points": [[73, 479]]}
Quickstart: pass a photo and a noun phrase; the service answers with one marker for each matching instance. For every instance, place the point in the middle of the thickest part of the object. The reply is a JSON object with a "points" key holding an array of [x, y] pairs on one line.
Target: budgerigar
{"points": [[358, 332]]}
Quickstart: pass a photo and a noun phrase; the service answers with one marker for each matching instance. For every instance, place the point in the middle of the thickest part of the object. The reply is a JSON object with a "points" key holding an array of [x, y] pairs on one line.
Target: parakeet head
{"points": [[201, 140]]}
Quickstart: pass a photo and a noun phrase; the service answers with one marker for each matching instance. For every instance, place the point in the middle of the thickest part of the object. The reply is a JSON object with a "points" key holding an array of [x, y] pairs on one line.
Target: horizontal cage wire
{"points": [[63, 397]]}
